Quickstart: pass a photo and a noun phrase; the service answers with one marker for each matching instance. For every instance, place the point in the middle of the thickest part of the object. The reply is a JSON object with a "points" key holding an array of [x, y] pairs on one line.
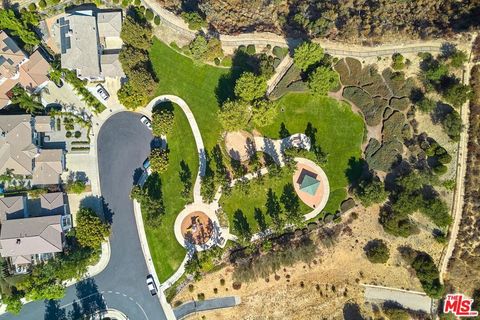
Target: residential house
{"points": [[19, 151], [18, 68], [90, 42], [25, 239]]}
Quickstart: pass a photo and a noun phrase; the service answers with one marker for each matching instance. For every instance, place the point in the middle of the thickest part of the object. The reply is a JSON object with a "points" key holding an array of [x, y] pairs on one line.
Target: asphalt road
{"points": [[123, 145]]}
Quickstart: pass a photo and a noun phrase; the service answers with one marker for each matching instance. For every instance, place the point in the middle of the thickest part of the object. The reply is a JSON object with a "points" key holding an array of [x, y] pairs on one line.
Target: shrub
{"points": [[68, 134], [201, 296], [251, 49], [191, 287], [279, 52], [156, 20], [452, 125], [137, 2], [76, 187], [370, 192], [426, 105], [377, 251], [396, 314], [32, 7], [222, 282], [78, 134], [42, 4], [149, 14]]}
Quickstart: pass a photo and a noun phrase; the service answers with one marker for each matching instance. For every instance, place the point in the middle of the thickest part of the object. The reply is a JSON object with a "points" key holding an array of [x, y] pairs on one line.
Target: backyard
{"points": [[167, 253]]}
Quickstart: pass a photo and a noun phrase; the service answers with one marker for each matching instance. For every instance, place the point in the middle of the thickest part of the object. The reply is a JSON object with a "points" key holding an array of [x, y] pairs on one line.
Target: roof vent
{"points": [[18, 241]]}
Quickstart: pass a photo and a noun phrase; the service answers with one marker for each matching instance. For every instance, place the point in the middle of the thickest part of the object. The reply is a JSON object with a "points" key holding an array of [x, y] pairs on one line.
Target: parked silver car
{"points": [[151, 285], [146, 122]]}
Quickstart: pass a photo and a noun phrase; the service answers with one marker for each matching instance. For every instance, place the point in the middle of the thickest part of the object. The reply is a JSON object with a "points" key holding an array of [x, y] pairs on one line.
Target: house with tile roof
{"points": [[90, 42], [25, 239], [19, 152], [16, 67]]}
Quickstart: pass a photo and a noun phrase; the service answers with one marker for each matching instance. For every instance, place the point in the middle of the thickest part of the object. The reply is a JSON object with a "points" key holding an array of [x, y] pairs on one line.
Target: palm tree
{"points": [[55, 75], [27, 102]]}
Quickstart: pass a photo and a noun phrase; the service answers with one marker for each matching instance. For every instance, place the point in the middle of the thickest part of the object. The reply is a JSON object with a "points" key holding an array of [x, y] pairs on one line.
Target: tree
{"points": [[396, 314], [130, 57], [260, 218], [199, 47], [428, 275], [250, 87], [136, 32], [426, 105], [194, 20], [159, 159], [185, 176], [27, 102], [370, 192], [162, 122], [322, 80], [9, 21], [150, 197], [241, 226], [13, 302], [458, 58], [214, 49], [273, 209], [377, 251], [398, 62], [90, 230], [291, 203], [264, 113], [457, 94], [452, 125], [234, 115], [307, 54], [55, 75]]}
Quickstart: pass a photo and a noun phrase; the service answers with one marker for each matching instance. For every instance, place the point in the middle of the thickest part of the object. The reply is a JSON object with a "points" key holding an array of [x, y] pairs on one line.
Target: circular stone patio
{"points": [[197, 226], [240, 145], [311, 185]]}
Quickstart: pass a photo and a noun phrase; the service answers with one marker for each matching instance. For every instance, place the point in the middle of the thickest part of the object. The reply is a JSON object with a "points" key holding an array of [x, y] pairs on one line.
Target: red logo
{"points": [[459, 305]]}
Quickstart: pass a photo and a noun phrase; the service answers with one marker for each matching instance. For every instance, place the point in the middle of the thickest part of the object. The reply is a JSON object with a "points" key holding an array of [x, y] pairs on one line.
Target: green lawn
{"points": [[167, 253], [193, 82], [339, 133]]}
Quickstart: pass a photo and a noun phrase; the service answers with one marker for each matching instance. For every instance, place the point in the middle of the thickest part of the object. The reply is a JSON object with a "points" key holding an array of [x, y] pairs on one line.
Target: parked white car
{"points": [[102, 92], [146, 122], [152, 287]]}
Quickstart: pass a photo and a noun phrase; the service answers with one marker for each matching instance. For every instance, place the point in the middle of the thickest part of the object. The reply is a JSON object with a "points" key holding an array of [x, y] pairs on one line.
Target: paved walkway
{"points": [[413, 300], [280, 71], [197, 197], [188, 308]]}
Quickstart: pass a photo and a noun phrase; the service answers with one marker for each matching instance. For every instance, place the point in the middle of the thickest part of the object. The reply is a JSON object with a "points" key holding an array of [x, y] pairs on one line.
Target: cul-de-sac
{"points": [[207, 159]]}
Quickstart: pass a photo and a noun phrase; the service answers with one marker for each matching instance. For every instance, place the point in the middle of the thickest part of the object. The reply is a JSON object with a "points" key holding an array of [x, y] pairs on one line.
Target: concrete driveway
{"points": [[123, 144]]}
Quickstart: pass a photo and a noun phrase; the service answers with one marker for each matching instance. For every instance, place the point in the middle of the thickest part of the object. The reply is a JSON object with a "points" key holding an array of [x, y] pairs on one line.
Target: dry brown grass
{"points": [[334, 278]]}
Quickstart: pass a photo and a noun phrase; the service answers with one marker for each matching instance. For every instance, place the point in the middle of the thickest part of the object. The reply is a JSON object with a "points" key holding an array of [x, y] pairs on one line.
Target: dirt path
{"points": [[460, 178]]}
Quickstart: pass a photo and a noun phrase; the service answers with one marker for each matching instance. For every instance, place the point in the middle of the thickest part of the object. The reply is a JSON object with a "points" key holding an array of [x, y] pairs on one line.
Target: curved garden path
{"points": [[197, 197]]}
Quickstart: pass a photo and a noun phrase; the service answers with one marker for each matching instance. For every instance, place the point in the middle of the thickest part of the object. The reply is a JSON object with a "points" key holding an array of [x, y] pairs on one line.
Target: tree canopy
{"points": [[322, 80], [234, 115], [307, 54], [377, 251], [250, 87], [90, 230], [159, 159]]}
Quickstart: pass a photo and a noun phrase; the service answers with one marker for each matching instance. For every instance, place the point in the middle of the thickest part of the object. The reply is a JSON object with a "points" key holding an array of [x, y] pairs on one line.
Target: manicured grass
{"points": [[339, 134], [167, 253], [195, 83], [256, 198]]}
